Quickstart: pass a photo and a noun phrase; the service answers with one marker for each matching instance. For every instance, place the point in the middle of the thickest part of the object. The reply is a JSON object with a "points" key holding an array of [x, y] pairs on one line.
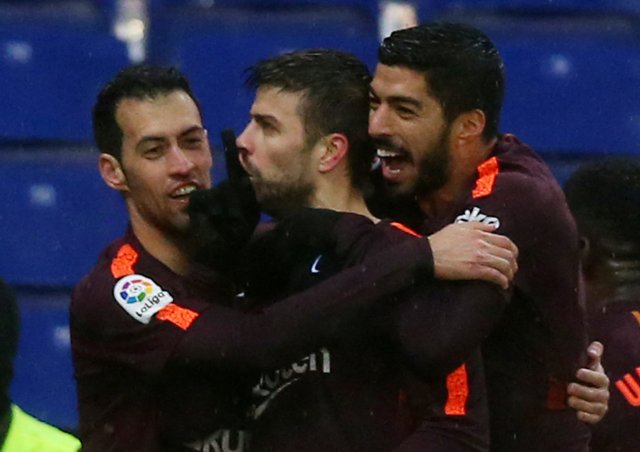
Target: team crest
{"points": [[141, 297]]}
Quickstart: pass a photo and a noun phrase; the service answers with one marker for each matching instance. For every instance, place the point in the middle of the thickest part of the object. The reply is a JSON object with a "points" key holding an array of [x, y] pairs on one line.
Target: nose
{"points": [[179, 161], [242, 141], [379, 121]]}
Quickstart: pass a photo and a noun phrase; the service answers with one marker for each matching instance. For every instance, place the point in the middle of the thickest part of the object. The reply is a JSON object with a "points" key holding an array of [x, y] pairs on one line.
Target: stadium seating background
{"points": [[573, 92]]}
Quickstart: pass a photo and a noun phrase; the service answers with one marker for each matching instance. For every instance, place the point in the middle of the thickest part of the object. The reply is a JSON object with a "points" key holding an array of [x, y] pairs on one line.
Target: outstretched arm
{"points": [[590, 396], [223, 338]]}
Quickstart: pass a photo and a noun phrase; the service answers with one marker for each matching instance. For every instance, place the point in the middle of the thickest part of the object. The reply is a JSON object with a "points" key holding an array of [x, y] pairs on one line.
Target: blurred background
{"points": [[573, 93]]}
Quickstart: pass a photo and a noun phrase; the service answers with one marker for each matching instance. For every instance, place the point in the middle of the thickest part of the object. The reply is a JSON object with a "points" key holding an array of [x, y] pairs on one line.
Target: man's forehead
{"points": [[399, 78], [276, 100], [165, 114]]}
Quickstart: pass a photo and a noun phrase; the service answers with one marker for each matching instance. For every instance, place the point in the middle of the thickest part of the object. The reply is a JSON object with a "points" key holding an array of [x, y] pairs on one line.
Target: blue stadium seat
{"points": [[573, 83], [573, 86], [43, 384], [214, 46], [57, 216], [53, 59], [434, 8], [267, 4]]}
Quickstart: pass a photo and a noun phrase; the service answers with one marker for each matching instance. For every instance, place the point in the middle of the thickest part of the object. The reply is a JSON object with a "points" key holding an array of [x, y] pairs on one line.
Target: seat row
{"points": [[572, 70]]}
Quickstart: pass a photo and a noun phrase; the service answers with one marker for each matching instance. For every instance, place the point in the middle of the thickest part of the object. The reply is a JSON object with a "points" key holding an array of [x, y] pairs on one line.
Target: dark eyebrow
{"points": [[191, 130], [159, 138], [149, 139], [398, 99], [404, 100], [265, 118]]}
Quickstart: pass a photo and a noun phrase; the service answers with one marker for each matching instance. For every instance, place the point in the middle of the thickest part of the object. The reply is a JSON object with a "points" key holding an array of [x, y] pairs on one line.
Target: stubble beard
{"points": [[434, 169], [279, 199], [432, 174]]}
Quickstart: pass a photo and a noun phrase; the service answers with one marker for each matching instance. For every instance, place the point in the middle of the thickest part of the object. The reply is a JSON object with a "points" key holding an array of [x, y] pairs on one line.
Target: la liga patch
{"points": [[141, 297]]}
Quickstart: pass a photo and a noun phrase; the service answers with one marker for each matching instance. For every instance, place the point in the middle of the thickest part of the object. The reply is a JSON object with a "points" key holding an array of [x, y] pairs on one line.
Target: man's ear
{"points": [[334, 151], [112, 173], [470, 125]]}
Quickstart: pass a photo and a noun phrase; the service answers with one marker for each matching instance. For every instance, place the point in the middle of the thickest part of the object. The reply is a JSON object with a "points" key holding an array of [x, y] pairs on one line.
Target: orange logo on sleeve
{"points": [[179, 316], [629, 386], [122, 264], [458, 392], [487, 173]]}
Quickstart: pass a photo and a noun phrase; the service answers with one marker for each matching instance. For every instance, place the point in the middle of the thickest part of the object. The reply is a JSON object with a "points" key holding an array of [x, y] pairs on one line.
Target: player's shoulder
{"points": [[618, 327], [123, 281], [100, 275], [618, 322], [516, 165], [515, 176]]}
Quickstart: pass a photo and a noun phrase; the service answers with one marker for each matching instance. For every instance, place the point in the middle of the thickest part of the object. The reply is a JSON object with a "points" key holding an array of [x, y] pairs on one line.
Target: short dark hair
{"points": [[461, 65], [604, 197], [137, 82], [335, 98], [9, 331]]}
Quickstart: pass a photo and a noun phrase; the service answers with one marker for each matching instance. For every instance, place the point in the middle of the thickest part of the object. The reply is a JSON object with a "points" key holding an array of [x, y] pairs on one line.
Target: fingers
{"points": [[590, 395], [590, 403], [500, 241], [498, 253], [494, 276], [471, 251], [589, 418], [596, 378], [476, 225], [595, 351], [496, 240], [235, 171]]}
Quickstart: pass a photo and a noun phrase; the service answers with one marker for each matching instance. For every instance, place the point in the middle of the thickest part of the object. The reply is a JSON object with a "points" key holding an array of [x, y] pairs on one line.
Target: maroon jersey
{"points": [[397, 382], [540, 342], [617, 326], [159, 359]]}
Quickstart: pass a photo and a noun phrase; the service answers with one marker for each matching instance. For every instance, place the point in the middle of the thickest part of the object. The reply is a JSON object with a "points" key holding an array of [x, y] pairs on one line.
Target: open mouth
{"points": [[393, 162], [183, 191]]}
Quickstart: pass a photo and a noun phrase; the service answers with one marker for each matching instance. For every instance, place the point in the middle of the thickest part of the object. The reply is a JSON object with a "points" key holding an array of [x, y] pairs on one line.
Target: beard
{"points": [[432, 174], [433, 170], [280, 198]]}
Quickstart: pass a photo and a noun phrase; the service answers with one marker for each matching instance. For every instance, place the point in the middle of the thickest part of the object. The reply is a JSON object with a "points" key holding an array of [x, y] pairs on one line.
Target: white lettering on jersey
{"points": [[223, 440], [314, 266], [272, 383], [475, 215], [141, 297]]}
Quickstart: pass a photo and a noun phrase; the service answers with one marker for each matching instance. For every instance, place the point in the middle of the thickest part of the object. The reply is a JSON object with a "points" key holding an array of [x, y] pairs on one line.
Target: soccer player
{"points": [[435, 105], [160, 361], [398, 381], [604, 198]]}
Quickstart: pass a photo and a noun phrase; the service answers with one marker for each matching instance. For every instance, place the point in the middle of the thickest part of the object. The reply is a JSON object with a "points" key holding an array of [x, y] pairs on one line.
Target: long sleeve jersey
{"points": [[162, 362], [541, 339], [409, 378]]}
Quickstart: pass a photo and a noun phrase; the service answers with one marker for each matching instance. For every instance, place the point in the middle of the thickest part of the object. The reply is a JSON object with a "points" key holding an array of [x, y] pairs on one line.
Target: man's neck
{"points": [[166, 248], [340, 196]]}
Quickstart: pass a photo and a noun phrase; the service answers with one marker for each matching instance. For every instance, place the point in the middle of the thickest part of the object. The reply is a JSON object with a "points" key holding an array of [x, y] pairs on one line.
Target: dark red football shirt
{"points": [[617, 326], [541, 340], [397, 382], [160, 360]]}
